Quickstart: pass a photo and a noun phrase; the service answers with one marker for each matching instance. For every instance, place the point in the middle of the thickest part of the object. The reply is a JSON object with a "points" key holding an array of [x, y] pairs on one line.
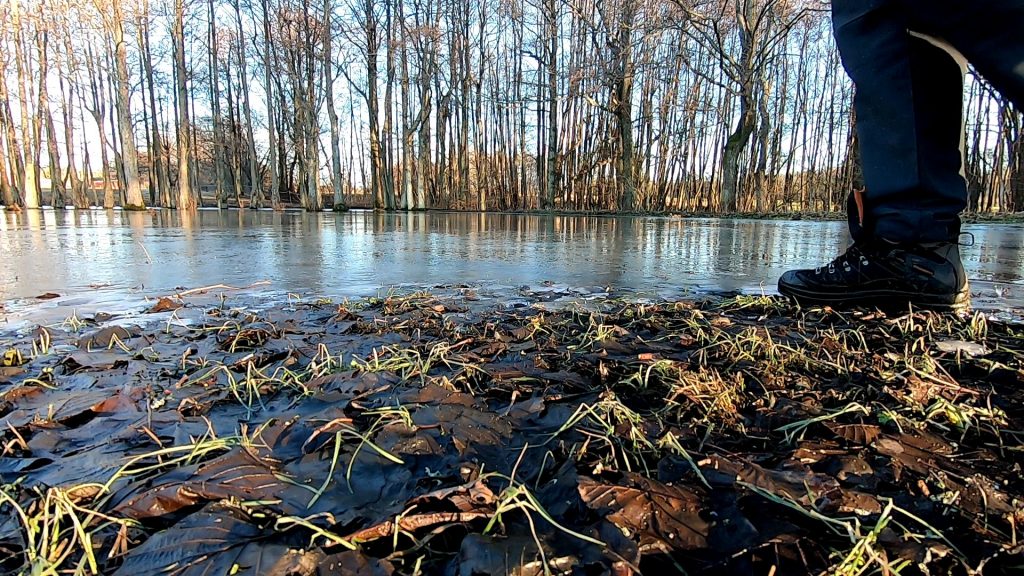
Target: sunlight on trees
{"points": [[620, 105]]}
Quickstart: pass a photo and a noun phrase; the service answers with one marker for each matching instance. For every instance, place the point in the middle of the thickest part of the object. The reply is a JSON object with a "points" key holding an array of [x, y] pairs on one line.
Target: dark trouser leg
{"points": [[909, 122], [989, 33], [905, 102]]}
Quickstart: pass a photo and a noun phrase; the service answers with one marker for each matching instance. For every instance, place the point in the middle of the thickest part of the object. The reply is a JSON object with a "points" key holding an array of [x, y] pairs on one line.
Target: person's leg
{"points": [[929, 210], [909, 116], [909, 119], [908, 105], [989, 33], [909, 102]]}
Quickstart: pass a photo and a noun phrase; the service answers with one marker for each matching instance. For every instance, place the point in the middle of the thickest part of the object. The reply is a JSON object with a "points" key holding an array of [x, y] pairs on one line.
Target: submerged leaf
{"points": [[207, 542], [354, 562], [103, 337], [236, 475], [101, 360]]}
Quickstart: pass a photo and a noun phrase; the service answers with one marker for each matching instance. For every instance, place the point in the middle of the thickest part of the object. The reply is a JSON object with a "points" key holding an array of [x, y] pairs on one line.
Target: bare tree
{"points": [[628, 105], [255, 190], [760, 27], [337, 182], [186, 197], [29, 147], [126, 131]]}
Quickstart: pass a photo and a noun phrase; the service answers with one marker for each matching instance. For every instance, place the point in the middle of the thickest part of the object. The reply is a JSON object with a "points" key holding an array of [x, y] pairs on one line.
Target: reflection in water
{"points": [[358, 252]]}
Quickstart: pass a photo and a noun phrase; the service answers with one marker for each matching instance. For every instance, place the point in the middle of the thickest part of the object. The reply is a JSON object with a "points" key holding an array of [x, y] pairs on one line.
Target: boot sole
{"points": [[883, 299]]}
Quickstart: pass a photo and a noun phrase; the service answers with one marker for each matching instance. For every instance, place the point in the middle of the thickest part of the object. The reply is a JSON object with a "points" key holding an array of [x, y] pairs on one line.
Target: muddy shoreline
{"points": [[451, 434]]}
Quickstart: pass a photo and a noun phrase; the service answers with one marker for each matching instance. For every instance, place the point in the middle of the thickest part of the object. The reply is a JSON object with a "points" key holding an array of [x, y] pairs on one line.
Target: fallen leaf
{"points": [[971, 349], [355, 562], [103, 337], [862, 434], [102, 360], [206, 542], [236, 475], [665, 517], [164, 305]]}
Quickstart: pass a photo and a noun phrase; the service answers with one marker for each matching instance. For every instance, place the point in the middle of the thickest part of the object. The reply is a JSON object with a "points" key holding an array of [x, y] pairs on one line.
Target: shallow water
{"points": [[106, 258]]}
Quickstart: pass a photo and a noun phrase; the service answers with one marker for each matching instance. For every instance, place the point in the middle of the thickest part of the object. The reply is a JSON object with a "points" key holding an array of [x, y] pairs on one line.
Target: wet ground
{"points": [[104, 261], [451, 434]]}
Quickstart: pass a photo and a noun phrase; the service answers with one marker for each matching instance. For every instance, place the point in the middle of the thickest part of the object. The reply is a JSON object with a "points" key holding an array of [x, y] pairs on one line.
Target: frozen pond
{"points": [[105, 257]]}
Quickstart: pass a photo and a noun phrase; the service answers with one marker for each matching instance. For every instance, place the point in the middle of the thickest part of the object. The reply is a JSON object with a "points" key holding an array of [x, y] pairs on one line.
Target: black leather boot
{"points": [[885, 275]]}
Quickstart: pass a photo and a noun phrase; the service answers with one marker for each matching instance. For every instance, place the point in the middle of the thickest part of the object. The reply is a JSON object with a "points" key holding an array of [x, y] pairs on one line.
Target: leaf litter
{"points": [[448, 434]]}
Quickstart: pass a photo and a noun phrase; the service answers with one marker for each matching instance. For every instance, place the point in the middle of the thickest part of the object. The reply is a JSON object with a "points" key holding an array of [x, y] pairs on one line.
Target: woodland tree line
{"points": [[627, 105]]}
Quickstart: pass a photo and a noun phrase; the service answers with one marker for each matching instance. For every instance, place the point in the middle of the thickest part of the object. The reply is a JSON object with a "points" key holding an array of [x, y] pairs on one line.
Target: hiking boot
{"points": [[879, 273]]}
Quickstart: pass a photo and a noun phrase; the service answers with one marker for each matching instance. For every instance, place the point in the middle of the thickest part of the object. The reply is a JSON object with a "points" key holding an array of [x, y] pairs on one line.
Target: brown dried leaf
{"points": [[665, 517], [235, 475], [863, 434], [721, 322], [466, 498], [165, 305], [798, 485], [355, 562]]}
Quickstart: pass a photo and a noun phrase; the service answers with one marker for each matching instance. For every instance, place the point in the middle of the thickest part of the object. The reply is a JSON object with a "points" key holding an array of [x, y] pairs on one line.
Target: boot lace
{"points": [[854, 256]]}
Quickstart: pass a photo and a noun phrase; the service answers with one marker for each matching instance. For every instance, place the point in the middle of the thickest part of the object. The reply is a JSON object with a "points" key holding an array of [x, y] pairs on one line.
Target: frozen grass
{"points": [[745, 400]]}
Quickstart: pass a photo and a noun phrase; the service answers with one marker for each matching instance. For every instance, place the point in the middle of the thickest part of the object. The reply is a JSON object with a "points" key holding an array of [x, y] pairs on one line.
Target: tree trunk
{"points": [[425, 74], [11, 157], [376, 167], [337, 183], [255, 190], [462, 58], [78, 196], [624, 105], [749, 34], [734, 145], [387, 147], [220, 191], [98, 111], [272, 168], [551, 165], [483, 173], [235, 152], [129, 154], [157, 153], [1014, 135], [760, 189], [58, 194], [285, 170], [6, 191], [30, 161], [109, 95], [186, 200], [407, 127], [146, 119]]}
